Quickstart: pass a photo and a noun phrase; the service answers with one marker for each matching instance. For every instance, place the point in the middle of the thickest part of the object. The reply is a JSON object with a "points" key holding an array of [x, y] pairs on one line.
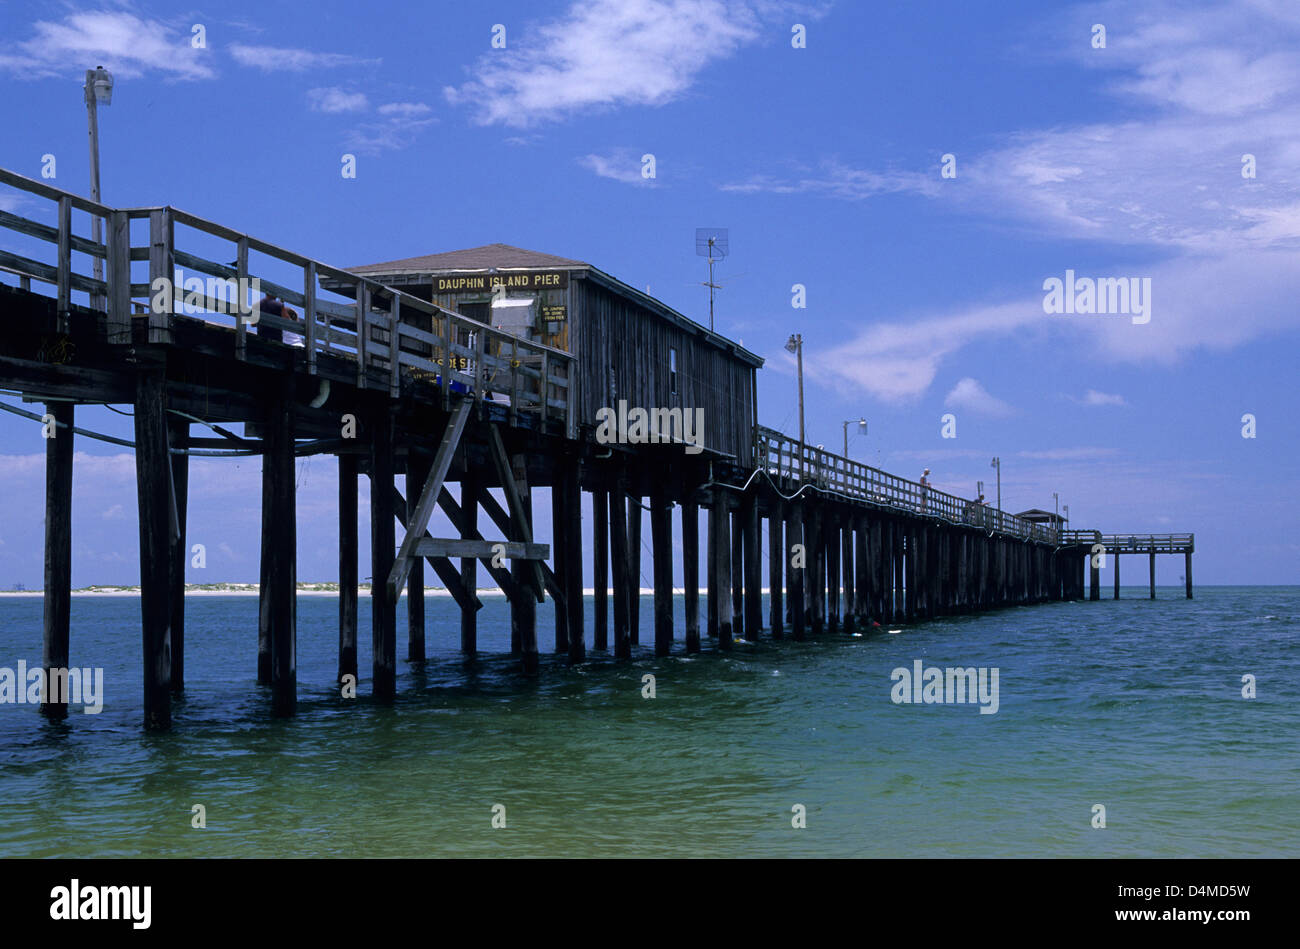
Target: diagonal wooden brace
{"points": [[428, 498]]}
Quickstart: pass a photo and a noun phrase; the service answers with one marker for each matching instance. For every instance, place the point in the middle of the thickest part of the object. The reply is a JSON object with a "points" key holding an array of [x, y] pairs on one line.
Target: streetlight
{"points": [[795, 345], [1066, 509], [1057, 498], [98, 89], [862, 427], [997, 463]]}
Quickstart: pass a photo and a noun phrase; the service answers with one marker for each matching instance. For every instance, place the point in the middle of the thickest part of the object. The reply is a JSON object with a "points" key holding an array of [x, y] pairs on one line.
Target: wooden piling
{"points": [[58, 555], [714, 595], [1116, 575], [153, 493], [634, 566], [572, 520], [661, 542], [417, 473], [1153, 575], [619, 559], [560, 557], [861, 534], [775, 568], [1187, 571], [383, 550], [900, 602], [347, 567], [753, 568], [1094, 579], [264, 576], [722, 567], [738, 572], [178, 432], [691, 572], [470, 487], [832, 530], [815, 574], [523, 605], [600, 568], [796, 553], [282, 576]]}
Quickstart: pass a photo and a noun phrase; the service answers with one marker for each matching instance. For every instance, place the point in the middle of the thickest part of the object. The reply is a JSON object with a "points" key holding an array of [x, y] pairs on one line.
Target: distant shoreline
{"points": [[250, 589], [331, 589]]}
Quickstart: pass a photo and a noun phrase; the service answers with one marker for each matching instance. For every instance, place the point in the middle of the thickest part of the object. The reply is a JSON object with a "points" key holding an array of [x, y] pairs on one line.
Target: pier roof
{"points": [[489, 258]]}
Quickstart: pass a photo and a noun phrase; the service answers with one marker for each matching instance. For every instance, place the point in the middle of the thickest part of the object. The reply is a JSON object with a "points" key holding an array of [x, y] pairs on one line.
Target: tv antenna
{"points": [[711, 242]]}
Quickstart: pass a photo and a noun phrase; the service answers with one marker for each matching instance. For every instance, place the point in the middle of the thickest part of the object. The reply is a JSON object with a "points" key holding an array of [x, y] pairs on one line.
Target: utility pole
{"points": [[795, 345], [98, 88], [997, 463]]}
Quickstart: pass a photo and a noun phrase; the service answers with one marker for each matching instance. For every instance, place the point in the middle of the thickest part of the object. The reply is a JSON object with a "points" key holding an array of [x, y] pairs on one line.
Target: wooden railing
{"points": [[791, 465], [1149, 543], [374, 326]]}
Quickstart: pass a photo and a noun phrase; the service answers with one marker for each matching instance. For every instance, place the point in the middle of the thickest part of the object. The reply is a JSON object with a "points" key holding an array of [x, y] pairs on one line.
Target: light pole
{"points": [[997, 463], [795, 345], [1057, 498], [98, 88], [862, 427], [1066, 509]]}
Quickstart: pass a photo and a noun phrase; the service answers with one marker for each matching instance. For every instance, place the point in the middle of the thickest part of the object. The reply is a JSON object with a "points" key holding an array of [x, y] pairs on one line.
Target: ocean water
{"points": [[1135, 705]]}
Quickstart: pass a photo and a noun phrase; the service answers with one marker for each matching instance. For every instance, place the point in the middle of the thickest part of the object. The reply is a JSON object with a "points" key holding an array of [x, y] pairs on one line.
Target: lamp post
{"points": [[98, 89], [795, 345], [862, 427], [1057, 498], [1066, 509], [997, 463]]}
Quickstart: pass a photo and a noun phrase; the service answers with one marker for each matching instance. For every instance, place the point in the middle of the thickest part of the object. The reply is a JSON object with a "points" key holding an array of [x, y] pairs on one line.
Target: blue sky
{"points": [[924, 293]]}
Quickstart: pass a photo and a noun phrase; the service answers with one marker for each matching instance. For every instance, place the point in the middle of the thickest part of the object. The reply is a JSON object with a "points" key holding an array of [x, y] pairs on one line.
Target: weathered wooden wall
{"points": [[623, 353]]}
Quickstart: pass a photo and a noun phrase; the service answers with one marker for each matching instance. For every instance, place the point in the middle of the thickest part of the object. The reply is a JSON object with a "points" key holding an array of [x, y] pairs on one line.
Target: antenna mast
{"points": [[709, 240]]}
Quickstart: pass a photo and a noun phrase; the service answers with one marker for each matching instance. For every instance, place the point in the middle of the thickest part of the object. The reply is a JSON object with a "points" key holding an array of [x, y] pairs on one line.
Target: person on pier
{"points": [[273, 305]]}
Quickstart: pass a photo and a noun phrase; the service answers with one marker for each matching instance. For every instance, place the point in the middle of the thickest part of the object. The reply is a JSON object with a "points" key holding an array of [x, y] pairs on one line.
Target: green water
{"points": [[1135, 705]]}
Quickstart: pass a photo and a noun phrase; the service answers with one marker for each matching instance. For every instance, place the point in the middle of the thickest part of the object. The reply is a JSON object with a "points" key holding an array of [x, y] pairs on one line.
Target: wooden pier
{"points": [[494, 369]]}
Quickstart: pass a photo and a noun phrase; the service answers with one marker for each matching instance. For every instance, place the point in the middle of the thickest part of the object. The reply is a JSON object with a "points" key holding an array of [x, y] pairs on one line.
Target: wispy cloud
{"points": [[390, 132], [607, 53], [968, 394], [284, 59], [1094, 399], [896, 362], [1067, 454], [404, 108], [126, 44], [833, 178], [333, 99], [620, 164]]}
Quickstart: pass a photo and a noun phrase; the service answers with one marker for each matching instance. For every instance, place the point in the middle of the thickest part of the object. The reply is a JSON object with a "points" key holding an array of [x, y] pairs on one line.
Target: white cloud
{"points": [[392, 131], [334, 99], [621, 164], [606, 53], [115, 513], [1093, 398], [969, 395], [1066, 454], [898, 361], [404, 108], [834, 179], [277, 58], [125, 44]]}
